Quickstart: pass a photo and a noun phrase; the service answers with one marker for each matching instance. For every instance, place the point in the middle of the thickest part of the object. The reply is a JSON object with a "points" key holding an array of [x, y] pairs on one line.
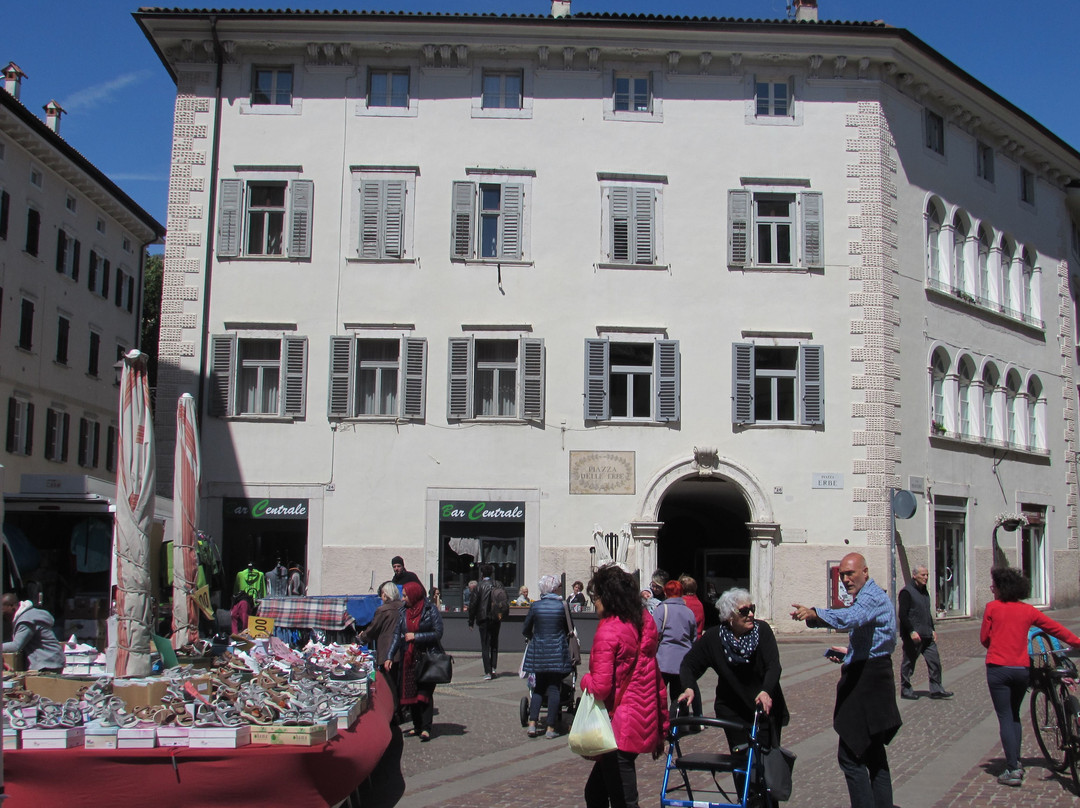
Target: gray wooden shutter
{"points": [[222, 360], [303, 199], [105, 268], [459, 402], [29, 429], [339, 402], [414, 377], [742, 383], [65, 427], [644, 226], [394, 219], [738, 228], [229, 213], [61, 249], [619, 204], [597, 401], [531, 360], [462, 232], [812, 383], [813, 226], [294, 401], [370, 205], [666, 369], [91, 273], [510, 222], [75, 255]]}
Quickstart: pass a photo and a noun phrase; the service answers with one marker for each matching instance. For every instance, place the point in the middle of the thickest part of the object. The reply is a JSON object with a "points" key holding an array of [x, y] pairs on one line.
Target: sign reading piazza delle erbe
{"points": [[602, 473]]}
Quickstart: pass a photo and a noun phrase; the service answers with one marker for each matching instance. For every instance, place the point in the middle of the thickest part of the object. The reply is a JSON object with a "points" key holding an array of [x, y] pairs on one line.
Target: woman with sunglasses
{"points": [[743, 652]]}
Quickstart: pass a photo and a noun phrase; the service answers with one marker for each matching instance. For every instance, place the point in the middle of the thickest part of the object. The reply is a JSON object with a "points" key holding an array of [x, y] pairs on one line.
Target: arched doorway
{"points": [[704, 533]]}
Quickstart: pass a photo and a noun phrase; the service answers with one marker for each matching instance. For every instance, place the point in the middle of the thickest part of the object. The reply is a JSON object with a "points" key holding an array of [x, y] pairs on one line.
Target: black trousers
{"points": [[489, 644], [927, 647], [869, 780], [612, 782]]}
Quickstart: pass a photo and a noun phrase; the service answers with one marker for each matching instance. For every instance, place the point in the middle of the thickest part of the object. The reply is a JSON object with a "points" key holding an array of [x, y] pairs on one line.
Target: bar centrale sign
{"points": [[266, 508], [602, 473], [459, 511]]}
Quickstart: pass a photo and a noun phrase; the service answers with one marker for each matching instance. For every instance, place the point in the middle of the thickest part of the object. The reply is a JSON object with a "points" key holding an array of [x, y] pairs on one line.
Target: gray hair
{"points": [[728, 603], [549, 583], [390, 591]]}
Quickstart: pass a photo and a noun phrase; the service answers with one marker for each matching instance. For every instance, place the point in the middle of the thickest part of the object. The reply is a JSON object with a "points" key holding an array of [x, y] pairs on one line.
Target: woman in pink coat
{"points": [[623, 674]]}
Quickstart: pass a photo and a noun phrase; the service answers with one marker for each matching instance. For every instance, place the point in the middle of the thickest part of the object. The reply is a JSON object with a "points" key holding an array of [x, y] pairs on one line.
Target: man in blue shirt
{"points": [[865, 716]]}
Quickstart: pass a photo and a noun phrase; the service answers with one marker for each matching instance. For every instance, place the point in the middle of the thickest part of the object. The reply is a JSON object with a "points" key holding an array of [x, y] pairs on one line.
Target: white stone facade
{"points": [[729, 219]]}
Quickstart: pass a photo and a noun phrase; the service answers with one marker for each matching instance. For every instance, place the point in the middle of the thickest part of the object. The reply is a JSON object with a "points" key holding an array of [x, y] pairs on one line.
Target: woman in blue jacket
{"points": [[547, 656]]}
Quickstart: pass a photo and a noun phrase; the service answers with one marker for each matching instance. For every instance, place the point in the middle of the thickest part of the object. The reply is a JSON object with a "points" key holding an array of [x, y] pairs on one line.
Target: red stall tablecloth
{"points": [[179, 777]]}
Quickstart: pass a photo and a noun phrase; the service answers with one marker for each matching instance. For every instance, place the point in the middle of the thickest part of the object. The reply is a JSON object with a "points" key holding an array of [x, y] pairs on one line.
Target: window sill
{"points": [[496, 420], [777, 268], [630, 422], [973, 440], [773, 120], [778, 425], [355, 259], [942, 289], [490, 262], [369, 419], [261, 419], [295, 108], [363, 110], [59, 364], [646, 267], [505, 113], [634, 117]]}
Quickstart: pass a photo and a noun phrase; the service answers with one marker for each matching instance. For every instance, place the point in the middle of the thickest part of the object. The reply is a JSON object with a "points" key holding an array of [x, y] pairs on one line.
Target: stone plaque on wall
{"points": [[602, 473]]}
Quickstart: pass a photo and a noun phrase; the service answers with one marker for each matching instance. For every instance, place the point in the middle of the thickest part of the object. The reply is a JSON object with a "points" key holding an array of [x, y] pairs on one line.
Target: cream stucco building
{"points": [[697, 294]]}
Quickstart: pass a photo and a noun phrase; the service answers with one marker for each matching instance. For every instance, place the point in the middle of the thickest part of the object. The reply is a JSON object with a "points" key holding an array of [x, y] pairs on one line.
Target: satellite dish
{"points": [[903, 504]]}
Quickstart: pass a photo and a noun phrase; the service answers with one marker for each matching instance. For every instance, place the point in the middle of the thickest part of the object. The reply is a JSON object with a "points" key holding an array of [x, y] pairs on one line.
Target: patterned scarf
{"points": [[739, 650]]}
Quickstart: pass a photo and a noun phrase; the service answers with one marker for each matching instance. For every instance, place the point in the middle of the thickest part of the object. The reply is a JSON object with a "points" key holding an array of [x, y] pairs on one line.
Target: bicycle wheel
{"points": [[1072, 736], [1047, 720]]}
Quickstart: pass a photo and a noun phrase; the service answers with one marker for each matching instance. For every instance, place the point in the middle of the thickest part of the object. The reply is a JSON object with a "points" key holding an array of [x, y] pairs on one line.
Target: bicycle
{"points": [[1055, 709]]}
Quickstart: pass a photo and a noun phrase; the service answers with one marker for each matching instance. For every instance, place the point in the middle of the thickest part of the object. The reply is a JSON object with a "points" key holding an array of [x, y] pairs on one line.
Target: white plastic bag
{"points": [[591, 733]]}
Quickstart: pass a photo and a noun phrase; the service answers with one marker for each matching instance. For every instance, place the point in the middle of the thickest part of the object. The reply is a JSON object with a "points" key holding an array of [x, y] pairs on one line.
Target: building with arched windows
{"points": [[697, 294]]}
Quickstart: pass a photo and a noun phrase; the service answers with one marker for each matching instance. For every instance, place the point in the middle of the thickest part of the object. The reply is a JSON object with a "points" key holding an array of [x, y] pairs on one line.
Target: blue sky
{"points": [[91, 57]]}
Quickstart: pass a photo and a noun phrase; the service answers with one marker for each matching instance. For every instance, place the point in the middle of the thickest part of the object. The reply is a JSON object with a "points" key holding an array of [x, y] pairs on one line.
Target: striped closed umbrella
{"points": [[134, 516], [186, 471]]}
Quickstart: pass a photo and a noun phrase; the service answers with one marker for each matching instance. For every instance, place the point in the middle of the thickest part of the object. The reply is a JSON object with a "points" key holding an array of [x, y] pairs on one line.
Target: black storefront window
{"points": [[472, 533]]}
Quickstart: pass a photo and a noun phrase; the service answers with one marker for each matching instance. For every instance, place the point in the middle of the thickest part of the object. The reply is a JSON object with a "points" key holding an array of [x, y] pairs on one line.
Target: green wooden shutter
{"points": [[644, 226], [342, 362], [414, 377], [738, 228], [531, 361], [813, 229], [462, 231], [459, 402], [229, 213], [222, 361], [619, 204], [742, 383], [294, 353], [370, 206], [394, 219], [597, 401], [666, 370], [510, 222], [303, 199], [812, 383]]}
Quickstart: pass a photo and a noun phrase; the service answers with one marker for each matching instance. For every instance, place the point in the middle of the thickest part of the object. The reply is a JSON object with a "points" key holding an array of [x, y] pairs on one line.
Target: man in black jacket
{"points": [[486, 615], [918, 636], [402, 576]]}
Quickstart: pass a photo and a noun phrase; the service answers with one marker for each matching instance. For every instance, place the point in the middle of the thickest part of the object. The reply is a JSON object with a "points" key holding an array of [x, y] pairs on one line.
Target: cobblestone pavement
{"points": [[947, 753]]}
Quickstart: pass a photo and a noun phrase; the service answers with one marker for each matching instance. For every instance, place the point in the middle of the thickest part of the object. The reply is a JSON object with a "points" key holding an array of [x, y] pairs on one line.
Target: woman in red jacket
{"points": [[623, 674], [1005, 635]]}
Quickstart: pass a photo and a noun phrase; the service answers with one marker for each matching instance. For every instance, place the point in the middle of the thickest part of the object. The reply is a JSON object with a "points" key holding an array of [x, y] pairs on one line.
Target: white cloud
{"points": [[97, 93]]}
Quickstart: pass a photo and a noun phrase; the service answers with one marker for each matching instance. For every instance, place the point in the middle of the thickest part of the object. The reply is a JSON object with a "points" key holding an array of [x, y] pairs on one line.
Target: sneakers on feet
{"points": [[551, 734], [1011, 777], [487, 677]]}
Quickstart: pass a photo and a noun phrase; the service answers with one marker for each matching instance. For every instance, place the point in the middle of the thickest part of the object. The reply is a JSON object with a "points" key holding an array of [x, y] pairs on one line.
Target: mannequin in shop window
{"points": [[296, 586], [251, 581], [277, 581]]}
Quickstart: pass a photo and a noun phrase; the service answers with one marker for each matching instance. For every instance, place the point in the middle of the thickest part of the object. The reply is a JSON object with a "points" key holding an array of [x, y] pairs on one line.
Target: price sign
{"points": [[202, 600], [260, 626]]}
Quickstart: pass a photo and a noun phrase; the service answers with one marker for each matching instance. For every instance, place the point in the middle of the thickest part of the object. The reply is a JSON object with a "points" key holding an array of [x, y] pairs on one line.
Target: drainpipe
{"points": [[209, 259]]}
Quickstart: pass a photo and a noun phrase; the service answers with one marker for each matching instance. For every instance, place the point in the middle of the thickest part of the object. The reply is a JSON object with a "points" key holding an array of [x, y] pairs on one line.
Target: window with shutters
{"points": [[490, 218], [776, 385], [631, 230], [773, 229], [33, 231], [20, 426], [502, 89], [93, 361], [63, 333], [98, 272], [112, 435], [57, 427], [265, 218], [496, 379], [26, 325], [258, 376], [627, 380], [124, 290], [632, 93], [89, 443], [383, 205], [67, 254], [377, 377], [389, 91]]}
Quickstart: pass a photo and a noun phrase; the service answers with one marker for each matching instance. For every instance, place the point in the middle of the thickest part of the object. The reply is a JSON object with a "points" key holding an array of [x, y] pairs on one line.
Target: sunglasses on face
{"points": [[746, 611]]}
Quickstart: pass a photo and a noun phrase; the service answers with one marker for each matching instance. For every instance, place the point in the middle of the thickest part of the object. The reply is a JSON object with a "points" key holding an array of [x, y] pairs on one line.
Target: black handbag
{"points": [[434, 667], [778, 763]]}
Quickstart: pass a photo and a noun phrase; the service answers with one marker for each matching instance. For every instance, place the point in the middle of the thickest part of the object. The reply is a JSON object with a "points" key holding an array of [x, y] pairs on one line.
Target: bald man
{"points": [[865, 716]]}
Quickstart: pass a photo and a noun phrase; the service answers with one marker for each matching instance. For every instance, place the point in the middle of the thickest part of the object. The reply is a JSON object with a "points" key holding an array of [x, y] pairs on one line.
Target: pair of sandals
{"points": [[424, 735]]}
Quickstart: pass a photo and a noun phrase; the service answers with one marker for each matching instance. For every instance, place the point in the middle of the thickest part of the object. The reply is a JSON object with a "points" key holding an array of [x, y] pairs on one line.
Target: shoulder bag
{"points": [[434, 667], [572, 637]]}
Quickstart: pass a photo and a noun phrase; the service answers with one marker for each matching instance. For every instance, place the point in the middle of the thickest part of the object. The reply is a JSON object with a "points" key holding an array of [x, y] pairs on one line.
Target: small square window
{"points": [[935, 132], [633, 92], [773, 99], [502, 89], [126, 244], [1027, 186], [70, 203], [101, 226], [37, 179], [266, 218], [984, 161], [272, 86], [388, 88]]}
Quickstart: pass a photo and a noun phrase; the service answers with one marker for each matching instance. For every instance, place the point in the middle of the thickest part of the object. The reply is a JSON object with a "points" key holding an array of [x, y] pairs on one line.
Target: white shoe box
{"points": [[173, 736], [136, 737], [100, 737], [53, 738], [219, 737], [11, 739]]}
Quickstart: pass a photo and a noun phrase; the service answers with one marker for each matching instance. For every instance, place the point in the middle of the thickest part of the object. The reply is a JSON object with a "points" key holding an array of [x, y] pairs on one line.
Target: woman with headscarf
{"points": [[547, 656], [623, 675], [419, 628]]}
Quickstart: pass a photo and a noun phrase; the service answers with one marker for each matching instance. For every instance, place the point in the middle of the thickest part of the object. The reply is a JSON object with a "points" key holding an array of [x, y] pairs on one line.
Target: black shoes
{"points": [[944, 694], [910, 695]]}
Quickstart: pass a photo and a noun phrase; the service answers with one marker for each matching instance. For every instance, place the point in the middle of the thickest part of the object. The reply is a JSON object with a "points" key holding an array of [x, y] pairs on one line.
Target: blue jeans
{"points": [[869, 781], [547, 685], [1007, 688]]}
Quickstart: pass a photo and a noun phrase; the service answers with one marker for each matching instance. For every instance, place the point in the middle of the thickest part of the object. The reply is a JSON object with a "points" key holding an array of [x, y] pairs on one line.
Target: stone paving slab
{"points": [[946, 755]]}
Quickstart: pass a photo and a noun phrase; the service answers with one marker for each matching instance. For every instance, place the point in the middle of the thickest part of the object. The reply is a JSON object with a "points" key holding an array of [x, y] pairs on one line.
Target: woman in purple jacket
{"points": [[677, 627]]}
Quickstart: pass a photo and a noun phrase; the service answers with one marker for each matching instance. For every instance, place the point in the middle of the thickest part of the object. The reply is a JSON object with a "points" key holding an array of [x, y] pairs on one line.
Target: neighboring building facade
{"points": [[71, 269], [696, 294]]}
